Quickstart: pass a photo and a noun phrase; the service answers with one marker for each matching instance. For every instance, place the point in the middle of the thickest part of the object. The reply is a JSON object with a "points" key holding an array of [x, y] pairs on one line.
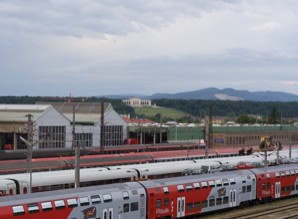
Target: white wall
{"points": [[51, 117]]}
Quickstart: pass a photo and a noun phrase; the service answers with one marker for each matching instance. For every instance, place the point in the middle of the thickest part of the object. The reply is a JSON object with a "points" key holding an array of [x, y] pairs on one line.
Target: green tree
{"points": [[273, 116]]}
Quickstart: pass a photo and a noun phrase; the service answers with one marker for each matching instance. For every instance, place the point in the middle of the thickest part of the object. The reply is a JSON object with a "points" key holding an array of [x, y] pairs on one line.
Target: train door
{"points": [[233, 198], [277, 190], [180, 207], [24, 187], [107, 213]]}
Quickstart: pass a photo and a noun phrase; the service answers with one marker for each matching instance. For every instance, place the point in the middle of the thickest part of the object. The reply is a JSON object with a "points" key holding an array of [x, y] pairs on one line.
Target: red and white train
{"points": [[15, 184], [167, 198]]}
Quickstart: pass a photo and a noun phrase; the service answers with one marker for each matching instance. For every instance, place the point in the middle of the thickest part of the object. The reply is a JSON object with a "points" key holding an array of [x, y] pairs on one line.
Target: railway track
{"points": [[278, 209], [289, 211]]}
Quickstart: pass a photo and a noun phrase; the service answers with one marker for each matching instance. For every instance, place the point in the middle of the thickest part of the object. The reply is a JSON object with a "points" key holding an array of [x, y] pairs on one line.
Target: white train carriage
{"points": [[62, 179]]}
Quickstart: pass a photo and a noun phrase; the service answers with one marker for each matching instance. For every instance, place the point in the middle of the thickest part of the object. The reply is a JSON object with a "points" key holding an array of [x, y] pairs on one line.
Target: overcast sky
{"points": [[102, 47]]}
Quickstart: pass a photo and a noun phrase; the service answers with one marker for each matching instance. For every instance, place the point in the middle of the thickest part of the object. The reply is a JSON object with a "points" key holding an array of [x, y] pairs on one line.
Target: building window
{"points": [[113, 135], [52, 136], [84, 139]]}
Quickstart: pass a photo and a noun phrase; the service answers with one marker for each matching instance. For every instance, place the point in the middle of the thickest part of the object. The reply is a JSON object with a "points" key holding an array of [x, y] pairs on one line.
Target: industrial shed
{"points": [[53, 125]]}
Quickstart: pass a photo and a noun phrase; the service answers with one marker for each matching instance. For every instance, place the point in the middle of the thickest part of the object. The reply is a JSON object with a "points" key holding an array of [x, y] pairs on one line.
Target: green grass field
{"points": [[165, 112]]}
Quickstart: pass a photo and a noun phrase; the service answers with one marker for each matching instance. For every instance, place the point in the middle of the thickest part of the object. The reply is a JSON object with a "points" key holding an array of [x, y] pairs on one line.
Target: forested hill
{"points": [[230, 108], [194, 107]]}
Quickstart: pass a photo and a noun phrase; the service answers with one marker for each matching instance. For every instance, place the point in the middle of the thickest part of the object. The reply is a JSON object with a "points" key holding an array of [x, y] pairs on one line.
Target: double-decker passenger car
{"points": [[181, 197], [127, 200]]}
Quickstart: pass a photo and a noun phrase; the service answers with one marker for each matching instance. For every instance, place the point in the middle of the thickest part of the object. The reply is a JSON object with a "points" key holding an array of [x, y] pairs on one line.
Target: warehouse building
{"points": [[52, 125]]}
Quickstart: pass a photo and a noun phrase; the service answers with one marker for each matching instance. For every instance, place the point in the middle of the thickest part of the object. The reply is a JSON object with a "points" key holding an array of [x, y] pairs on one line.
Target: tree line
{"points": [[240, 111]]}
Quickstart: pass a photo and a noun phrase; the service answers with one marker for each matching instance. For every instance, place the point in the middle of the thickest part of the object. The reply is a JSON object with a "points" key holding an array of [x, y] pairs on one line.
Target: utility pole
{"points": [[102, 127], [29, 143], [29, 149], [77, 149], [208, 132], [160, 129]]}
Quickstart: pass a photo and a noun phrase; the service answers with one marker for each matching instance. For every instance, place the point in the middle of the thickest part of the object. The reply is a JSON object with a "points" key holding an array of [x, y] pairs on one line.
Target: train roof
{"points": [[68, 176], [275, 168], [194, 178]]}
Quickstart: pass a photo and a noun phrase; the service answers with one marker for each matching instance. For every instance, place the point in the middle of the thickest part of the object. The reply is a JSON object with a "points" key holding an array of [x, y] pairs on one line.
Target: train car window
{"points": [[296, 171], [166, 202], [196, 186], [218, 183], [292, 172], [59, 204], [84, 201], [211, 183], [95, 199], [165, 190], [134, 192], [107, 198], [283, 189], [277, 175], [248, 177], [197, 205], [46, 206], [232, 181], [188, 187], [211, 202], [72, 203], [134, 206], [189, 206], [268, 176], [125, 207], [283, 174], [33, 208], [204, 185], [204, 204], [218, 201], [288, 173], [248, 189], [18, 210], [243, 179], [243, 189], [225, 200], [268, 185], [158, 203], [225, 182], [125, 195], [180, 188], [292, 187]]}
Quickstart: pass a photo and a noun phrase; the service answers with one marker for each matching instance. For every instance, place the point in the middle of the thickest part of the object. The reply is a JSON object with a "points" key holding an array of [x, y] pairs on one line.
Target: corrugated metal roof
{"points": [[18, 113], [81, 108], [84, 112], [83, 118]]}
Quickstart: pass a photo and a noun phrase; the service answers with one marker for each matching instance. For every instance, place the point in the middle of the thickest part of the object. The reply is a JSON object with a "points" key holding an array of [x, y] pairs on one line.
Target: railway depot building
{"points": [[52, 125]]}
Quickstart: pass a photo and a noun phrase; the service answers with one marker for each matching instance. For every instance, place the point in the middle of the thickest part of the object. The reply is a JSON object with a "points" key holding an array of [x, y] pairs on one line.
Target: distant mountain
{"points": [[216, 94], [228, 94]]}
